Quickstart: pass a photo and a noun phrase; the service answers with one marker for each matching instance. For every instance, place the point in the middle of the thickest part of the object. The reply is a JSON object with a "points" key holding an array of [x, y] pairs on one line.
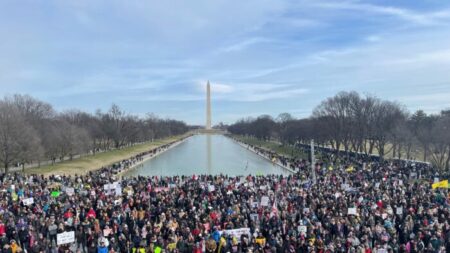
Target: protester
{"points": [[389, 206]]}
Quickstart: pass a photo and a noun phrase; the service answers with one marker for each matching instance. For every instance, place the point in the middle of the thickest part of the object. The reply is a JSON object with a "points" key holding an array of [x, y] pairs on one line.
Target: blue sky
{"points": [[261, 56]]}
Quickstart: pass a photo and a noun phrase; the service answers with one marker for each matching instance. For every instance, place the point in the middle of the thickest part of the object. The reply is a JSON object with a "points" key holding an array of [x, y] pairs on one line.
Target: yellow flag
{"points": [[350, 169], [441, 184]]}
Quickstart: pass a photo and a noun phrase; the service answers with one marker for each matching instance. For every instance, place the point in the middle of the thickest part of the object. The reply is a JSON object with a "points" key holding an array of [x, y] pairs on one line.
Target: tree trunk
{"points": [[425, 153], [408, 152], [394, 150], [447, 163]]}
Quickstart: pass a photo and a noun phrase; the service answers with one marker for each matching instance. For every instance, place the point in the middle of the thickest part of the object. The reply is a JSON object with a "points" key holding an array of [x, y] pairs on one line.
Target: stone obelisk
{"points": [[208, 106]]}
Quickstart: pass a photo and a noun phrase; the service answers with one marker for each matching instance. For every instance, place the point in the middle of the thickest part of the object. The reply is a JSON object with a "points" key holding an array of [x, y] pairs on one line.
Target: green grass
{"points": [[273, 146], [93, 162]]}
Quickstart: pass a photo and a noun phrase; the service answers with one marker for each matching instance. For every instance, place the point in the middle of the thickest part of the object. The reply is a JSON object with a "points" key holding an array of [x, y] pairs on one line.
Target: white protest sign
{"points": [[70, 191], [265, 201], [436, 179], [302, 229], [118, 190], [237, 233], [399, 210], [211, 188], [28, 201], [66, 237], [352, 211]]}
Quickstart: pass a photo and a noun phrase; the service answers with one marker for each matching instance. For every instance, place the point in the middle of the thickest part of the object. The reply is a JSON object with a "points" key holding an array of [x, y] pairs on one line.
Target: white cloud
{"points": [[430, 18], [244, 44]]}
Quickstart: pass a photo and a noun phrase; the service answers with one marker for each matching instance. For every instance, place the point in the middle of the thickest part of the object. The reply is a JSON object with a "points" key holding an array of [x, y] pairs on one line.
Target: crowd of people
{"points": [[352, 206]]}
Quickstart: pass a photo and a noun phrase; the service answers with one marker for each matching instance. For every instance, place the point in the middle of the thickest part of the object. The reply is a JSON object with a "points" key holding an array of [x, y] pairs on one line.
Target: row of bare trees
{"points": [[31, 131], [364, 124]]}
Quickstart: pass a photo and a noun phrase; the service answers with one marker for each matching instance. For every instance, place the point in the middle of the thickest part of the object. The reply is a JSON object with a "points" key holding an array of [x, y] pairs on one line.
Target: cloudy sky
{"points": [[261, 56]]}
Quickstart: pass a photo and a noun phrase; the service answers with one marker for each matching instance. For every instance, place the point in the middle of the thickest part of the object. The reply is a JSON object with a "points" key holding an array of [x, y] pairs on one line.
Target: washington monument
{"points": [[208, 106]]}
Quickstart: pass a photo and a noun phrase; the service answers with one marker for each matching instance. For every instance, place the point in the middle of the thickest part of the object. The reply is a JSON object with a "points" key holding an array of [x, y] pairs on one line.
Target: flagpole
{"points": [[313, 162]]}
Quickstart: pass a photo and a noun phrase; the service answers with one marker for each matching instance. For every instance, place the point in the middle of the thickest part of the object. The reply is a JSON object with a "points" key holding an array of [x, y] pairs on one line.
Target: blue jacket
{"points": [[103, 249]]}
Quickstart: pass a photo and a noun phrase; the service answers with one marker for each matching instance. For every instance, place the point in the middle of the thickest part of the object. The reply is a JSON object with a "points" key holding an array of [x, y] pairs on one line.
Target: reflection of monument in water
{"points": [[208, 154]]}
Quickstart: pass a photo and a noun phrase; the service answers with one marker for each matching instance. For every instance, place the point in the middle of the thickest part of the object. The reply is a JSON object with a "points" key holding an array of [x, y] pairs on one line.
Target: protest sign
{"points": [[237, 233], [55, 194], [399, 210], [211, 188], [265, 201], [66, 237], [70, 191], [118, 190], [107, 232], [351, 211], [28, 201], [302, 229]]}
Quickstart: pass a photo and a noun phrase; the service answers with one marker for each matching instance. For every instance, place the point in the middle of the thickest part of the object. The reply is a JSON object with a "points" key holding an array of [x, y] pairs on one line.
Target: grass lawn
{"points": [[273, 146], [91, 162]]}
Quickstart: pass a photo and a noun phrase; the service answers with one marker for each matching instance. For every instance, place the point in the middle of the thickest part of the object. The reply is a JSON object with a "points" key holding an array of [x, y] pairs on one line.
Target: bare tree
{"points": [[18, 141]]}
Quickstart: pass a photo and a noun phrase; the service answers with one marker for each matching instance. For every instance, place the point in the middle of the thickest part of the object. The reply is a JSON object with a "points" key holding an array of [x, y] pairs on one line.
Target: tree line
{"points": [[32, 131], [366, 124]]}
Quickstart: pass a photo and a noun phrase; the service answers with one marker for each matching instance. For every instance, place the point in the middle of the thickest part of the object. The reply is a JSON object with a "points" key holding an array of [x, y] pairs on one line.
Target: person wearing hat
{"points": [[102, 248]]}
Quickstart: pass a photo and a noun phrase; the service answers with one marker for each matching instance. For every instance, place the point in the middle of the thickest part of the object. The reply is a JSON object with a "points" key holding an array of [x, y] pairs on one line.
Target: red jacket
{"points": [[2, 229]]}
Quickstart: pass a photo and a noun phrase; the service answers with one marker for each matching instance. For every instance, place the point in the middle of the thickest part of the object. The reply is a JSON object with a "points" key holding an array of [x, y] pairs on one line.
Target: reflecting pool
{"points": [[207, 154]]}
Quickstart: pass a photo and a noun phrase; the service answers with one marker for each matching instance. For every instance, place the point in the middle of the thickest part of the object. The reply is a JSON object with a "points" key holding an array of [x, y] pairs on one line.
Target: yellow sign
{"points": [[441, 184]]}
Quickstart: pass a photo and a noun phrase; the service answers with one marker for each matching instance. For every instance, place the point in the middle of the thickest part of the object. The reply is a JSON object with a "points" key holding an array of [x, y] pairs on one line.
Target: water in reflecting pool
{"points": [[207, 154]]}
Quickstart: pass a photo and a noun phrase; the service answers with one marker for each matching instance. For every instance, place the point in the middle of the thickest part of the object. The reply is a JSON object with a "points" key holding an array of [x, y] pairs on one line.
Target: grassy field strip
{"points": [[93, 162], [273, 146], [246, 146]]}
